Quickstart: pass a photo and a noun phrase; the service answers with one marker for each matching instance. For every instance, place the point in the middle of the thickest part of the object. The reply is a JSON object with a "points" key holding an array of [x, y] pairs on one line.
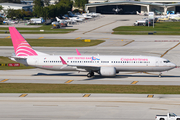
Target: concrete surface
{"points": [[97, 106]]}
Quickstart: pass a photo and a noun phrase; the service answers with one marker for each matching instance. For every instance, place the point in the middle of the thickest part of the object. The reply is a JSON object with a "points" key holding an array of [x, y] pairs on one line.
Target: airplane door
{"points": [[36, 61], [157, 63]]}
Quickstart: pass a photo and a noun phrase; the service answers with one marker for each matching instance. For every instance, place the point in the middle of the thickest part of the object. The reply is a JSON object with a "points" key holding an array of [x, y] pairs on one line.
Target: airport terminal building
{"points": [[131, 6]]}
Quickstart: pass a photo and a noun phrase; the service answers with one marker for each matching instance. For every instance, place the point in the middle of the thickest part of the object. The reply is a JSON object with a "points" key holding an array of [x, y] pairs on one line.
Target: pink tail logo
{"points": [[21, 46]]}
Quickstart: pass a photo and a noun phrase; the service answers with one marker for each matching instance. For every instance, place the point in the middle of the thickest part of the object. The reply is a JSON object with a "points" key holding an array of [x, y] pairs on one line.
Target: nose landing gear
{"points": [[160, 75]]}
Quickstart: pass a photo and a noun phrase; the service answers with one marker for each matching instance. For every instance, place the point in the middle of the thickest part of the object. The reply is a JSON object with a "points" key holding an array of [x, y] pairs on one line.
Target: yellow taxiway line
{"points": [[8, 37], [69, 81], [134, 82], [40, 37], [86, 95], [78, 38], [23, 95], [4, 80], [150, 96]]}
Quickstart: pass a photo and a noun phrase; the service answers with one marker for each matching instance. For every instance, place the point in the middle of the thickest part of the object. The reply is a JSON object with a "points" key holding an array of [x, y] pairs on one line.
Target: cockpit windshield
{"points": [[167, 61]]}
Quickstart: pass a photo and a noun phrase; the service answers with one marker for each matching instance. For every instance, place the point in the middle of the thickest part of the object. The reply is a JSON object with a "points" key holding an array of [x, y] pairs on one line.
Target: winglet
{"points": [[78, 53], [63, 61]]}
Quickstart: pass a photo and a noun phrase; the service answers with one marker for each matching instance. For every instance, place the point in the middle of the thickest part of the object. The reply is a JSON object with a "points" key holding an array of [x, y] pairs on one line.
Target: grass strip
{"points": [[74, 88], [5, 60], [161, 28], [54, 42], [47, 30]]}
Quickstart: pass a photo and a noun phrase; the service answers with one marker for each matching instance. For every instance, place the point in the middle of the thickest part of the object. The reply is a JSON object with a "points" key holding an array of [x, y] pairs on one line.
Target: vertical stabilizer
{"points": [[21, 46]]}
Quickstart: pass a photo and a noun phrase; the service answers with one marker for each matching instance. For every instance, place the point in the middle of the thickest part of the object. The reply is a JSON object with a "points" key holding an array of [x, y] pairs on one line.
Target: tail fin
{"points": [[57, 19], [21, 46]]}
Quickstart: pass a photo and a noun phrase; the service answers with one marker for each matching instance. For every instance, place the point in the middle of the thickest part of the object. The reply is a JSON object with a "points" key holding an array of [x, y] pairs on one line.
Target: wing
{"points": [[80, 67], [78, 53]]}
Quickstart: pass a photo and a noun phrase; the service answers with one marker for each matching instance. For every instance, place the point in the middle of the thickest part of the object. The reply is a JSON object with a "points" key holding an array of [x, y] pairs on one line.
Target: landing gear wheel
{"points": [[160, 75], [90, 74]]}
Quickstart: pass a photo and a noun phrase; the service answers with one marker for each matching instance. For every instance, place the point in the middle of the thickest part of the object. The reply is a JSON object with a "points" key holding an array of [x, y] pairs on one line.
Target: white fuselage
{"points": [[120, 63]]}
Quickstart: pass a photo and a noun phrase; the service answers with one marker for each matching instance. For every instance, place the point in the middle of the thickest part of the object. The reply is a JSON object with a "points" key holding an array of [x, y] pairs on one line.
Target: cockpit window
{"points": [[167, 61]]}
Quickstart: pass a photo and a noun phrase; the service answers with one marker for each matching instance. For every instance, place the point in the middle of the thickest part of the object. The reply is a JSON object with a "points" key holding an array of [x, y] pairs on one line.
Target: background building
{"points": [[30, 2], [131, 6], [16, 6]]}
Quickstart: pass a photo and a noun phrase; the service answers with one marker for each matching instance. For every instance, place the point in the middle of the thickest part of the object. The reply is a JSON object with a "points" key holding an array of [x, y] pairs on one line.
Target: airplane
{"points": [[79, 16], [175, 19], [163, 19], [144, 13], [106, 65], [65, 22], [77, 19], [94, 14], [117, 10]]}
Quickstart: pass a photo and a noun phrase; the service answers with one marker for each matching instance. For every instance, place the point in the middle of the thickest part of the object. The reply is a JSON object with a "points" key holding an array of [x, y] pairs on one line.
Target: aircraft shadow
{"points": [[56, 74], [103, 77], [131, 76], [152, 76]]}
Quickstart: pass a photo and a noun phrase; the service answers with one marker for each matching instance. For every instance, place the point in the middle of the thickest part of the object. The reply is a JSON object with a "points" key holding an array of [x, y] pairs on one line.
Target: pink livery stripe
{"points": [[21, 46]]}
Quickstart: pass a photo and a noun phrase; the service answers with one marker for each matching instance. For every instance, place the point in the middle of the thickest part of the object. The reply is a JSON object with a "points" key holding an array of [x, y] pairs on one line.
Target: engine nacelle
{"points": [[108, 71]]}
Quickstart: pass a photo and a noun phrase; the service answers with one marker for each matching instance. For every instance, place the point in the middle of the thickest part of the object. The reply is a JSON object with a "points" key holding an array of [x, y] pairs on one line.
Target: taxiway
{"points": [[96, 106]]}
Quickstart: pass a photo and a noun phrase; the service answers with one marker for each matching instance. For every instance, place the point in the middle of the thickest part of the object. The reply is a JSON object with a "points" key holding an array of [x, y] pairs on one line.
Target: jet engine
{"points": [[108, 71]]}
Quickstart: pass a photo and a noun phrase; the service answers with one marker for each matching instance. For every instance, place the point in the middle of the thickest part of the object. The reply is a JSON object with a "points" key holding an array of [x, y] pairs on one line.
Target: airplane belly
{"points": [[143, 69], [56, 68]]}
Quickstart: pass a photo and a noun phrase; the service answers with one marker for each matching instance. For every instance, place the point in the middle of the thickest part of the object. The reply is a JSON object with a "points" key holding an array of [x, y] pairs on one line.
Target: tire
{"points": [[178, 119], [161, 119], [89, 75], [92, 74]]}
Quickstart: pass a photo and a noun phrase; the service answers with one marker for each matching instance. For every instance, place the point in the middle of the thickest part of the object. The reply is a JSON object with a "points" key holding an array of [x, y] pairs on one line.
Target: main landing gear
{"points": [[90, 74]]}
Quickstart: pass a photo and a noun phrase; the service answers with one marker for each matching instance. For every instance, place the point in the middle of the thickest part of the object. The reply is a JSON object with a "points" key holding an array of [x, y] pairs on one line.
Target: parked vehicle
{"points": [[10, 22], [169, 116], [143, 22], [37, 20]]}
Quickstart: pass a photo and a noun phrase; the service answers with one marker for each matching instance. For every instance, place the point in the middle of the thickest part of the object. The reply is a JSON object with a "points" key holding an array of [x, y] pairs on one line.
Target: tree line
{"points": [[44, 9]]}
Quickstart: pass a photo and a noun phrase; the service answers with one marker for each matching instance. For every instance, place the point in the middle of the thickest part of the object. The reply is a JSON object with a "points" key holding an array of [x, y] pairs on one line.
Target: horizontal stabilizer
{"points": [[18, 57]]}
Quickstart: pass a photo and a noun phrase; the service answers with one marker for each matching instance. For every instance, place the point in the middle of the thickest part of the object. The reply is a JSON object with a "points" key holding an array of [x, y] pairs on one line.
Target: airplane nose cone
{"points": [[173, 65]]}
